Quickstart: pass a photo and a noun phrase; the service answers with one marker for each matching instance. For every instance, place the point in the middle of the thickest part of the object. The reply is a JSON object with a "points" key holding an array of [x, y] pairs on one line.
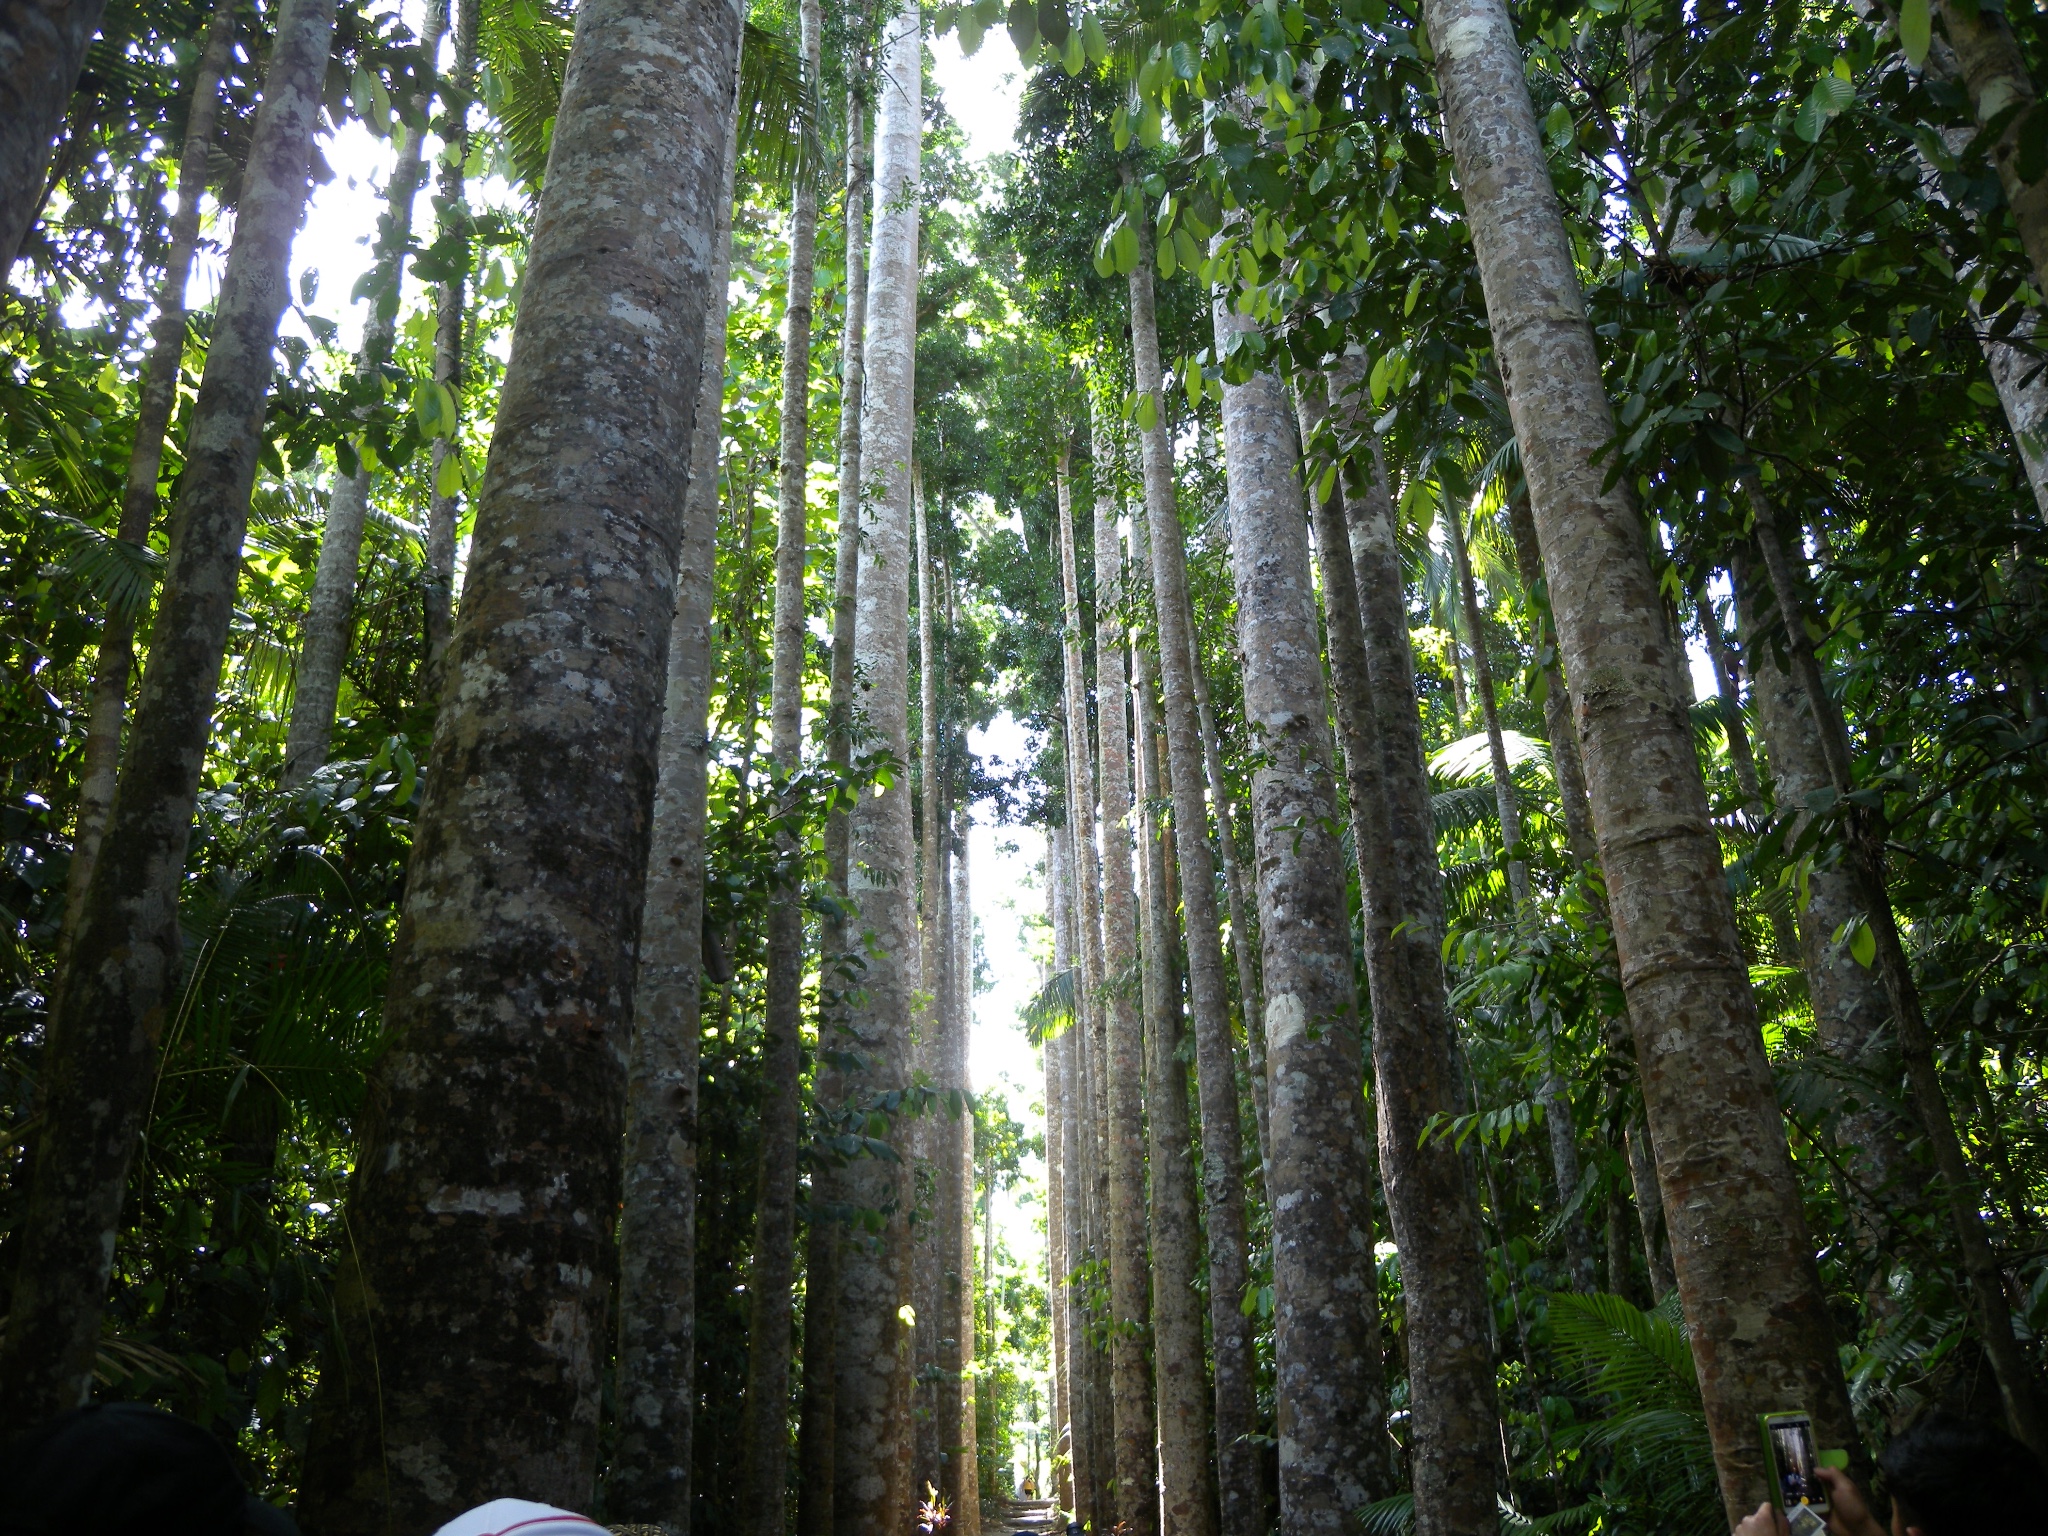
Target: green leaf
{"points": [[1073, 57], [1915, 30], [1167, 259], [1023, 25], [448, 478], [1094, 40], [1184, 247], [1053, 24], [1863, 945], [1148, 411], [1124, 248], [1182, 57], [1810, 119], [970, 32], [1837, 92], [1414, 293], [1557, 126], [1741, 190]]}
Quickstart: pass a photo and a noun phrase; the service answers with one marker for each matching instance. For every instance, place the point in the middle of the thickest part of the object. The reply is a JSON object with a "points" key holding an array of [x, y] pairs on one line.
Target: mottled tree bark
{"points": [[1758, 1322], [927, 1135], [1056, 1225], [1240, 1499], [1187, 1480], [107, 1018], [871, 1493], [1081, 1437], [42, 49], [1431, 1205], [1994, 71], [1324, 1360], [956, 1345], [479, 1282], [451, 218], [330, 609], [156, 395], [1137, 1465]]}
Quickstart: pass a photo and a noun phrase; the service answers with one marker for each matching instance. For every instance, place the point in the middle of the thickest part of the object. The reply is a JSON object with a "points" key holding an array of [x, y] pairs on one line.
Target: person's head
{"points": [[1951, 1476], [127, 1467]]}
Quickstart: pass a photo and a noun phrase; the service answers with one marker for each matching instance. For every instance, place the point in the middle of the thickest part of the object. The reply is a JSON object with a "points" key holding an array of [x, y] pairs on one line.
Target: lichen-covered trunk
{"points": [[155, 395], [1325, 1359], [452, 248], [927, 1261], [1758, 1323], [1137, 1464], [871, 1493], [1431, 1205], [481, 1273], [331, 607], [1187, 1479], [42, 49], [107, 1018], [1994, 72], [1240, 1499]]}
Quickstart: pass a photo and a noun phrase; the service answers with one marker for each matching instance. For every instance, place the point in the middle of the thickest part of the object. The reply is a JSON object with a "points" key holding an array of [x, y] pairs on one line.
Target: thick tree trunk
{"points": [[1758, 1322], [649, 1475], [330, 610], [1994, 71], [1431, 1205], [42, 50], [451, 218], [156, 396], [514, 970], [871, 1492], [1325, 1358], [1240, 1499], [764, 1433], [1187, 1480], [107, 1018], [1137, 1432]]}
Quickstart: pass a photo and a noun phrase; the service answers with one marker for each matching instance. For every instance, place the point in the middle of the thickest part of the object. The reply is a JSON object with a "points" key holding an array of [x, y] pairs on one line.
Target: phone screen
{"points": [[1798, 1466]]}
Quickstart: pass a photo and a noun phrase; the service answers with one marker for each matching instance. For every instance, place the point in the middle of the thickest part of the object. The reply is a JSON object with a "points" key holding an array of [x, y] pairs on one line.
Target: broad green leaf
{"points": [[1093, 39], [1184, 247], [1741, 190], [1023, 25], [1414, 293], [1557, 126], [1124, 247], [1916, 30], [1167, 259], [448, 478], [970, 33], [1148, 411], [1073, 57], [1863, 945]]}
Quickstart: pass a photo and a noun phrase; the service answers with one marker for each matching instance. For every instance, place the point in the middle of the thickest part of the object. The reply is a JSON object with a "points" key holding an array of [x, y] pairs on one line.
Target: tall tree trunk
{"points": [[1994, 71], [764, 1435], [816, 1428], [1187, 1480], [107, 1018], [871, 1493], [1431, 1205], [330, 610], [1325, 1362], [927, 1262], [42, 50], [963, 1459], [452, 250], [156, 397], [1867, 887], [1056, 1225], [1137, 1431], [492, 1366], [1758, 1322], [1073, 1197], [1240, 1497]]}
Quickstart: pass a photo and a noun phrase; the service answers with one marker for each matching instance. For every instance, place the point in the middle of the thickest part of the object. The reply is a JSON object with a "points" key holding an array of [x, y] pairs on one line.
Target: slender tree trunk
{"points": [[42, 50], [1760, 1332], [1056, 1224], [963, 1462], [1325, 1361], [330, 610], [1187, 1481], [871, 1492], [1073, 1116], [1137, 1431], [452, 248], [1431, 1205], [649, 1475], [1868, 889], [494, 1361], [1240, 1498], [107, 1019], [927, 1137], [156, 398]]}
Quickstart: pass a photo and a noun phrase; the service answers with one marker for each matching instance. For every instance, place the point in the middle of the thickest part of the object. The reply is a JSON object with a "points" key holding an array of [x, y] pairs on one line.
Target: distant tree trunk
{"points": [[927, 1260], [871, 1493], [1864, 868], [1187, 1480], [452, 247], [816, 1429], [1055, 1200], [1073, 1202], [514, 967], [156, 397], [1325, 1360], [1758, 1321], [44, 50], [1137, 1431], [1431, 1205], [764, 1435], [649, 1475], [330, 610], [1240, 1497], [107, 1018], [963, 1463]]}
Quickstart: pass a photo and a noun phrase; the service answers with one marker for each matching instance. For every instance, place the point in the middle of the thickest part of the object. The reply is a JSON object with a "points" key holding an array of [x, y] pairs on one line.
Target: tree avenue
{"points": [[1293, 777]]}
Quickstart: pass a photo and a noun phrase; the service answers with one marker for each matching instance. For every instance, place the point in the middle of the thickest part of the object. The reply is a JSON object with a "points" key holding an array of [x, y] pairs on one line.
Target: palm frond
{"points": [[120, 575], [1051, 1008], [779, 138], [1464, 809], [1642, 1358]]}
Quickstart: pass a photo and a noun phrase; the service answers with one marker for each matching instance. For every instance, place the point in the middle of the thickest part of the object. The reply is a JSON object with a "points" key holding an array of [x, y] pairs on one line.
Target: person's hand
{"points": [[1765, 1522], [1849, 1513]]}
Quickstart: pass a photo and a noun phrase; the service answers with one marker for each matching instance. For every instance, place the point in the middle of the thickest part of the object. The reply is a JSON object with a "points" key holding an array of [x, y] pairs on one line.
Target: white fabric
{"points": [[505, 1517]]}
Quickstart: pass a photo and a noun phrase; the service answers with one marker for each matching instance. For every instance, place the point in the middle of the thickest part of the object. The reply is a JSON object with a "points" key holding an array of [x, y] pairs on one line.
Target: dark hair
{"points": [[1957, 1477]]}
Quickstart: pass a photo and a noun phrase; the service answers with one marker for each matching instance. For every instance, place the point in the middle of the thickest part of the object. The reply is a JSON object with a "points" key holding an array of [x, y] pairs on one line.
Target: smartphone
{"points": [[1792, 1463]]}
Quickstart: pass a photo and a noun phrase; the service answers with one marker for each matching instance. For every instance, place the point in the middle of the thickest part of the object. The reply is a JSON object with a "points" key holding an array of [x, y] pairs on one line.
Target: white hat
{"points": [[505, 1517]]}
